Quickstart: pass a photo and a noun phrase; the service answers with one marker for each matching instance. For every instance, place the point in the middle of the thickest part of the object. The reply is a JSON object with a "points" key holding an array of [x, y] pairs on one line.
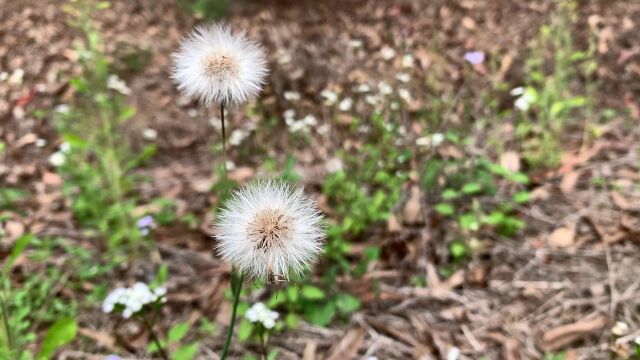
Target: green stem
{"points": [[5, 320], [224, 143], [154, 338], [236, 301]]}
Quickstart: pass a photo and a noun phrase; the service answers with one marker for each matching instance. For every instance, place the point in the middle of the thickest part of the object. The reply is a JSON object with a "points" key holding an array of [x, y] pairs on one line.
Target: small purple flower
{"points": [[474, 57], [113, 357], [145, 223]]}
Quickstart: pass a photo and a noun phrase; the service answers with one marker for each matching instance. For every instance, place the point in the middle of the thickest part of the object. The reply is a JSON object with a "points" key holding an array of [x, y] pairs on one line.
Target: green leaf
{"points": [[273, 354], [18, 249], [244, 330], [127, 113], [445, 209], [522, 197], [291, 320], [321, 315], [177, 332], [458, 250], [471, 188], [310, 292], [186, 352], [347, 303], [292, 294], [449, 194], [59, 334]]}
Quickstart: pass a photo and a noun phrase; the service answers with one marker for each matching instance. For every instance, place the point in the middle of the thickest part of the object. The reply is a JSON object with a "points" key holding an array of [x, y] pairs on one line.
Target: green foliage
{"points": [[59, 334], [10, 196], [366, 189], [552, 71], [98, 165], [173, 339], [206, 9]]}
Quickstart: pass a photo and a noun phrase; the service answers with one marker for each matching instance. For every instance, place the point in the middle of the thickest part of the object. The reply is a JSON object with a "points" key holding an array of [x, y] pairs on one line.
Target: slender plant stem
{"points": [[5, 320], [224, 142], [154, 338], [263, 345], [236, 301]]}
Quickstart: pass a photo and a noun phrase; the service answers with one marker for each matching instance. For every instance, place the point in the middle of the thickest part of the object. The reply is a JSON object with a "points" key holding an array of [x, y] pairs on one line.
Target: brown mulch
{"points": [[560, 285]]}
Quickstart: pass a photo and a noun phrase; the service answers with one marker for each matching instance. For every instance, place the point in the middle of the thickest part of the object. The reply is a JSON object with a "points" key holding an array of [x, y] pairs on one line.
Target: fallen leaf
{"points": [[564, 335], [562, 237], [412, 212], [620, 200], [310, 351], [569, 181], [241, 174], [26, 140], [510, 160], [52, 179], [348, 346]]}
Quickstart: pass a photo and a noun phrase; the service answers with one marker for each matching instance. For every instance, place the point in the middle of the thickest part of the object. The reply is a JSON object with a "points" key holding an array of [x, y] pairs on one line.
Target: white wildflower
{"points": [[57, 159], [345, 104], [372, 99], [269, 228], [404, 77], [407, 61], [620, 329], [292, 95], [453, 353], [4, 76], [395, 105], [363, 88], [16, 77], [330, 97], [637, 340], [149, 134], [62, 109], [323, 129], [387, 53], [230, 165], [355, 43], [384, 88], [215, 64], [133, 299], [65, 147], [192, 113], [260, 313], [117, 84], [238, 136], [434, 140], [517, 91], [289, 116], [40, 143], [310, 120], [296, 126], [215, 122], [404, 94]]}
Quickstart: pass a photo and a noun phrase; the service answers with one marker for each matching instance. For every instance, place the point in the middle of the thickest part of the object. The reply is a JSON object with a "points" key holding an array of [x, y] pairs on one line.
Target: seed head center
{"points": [[269, 228], [219, 66]]}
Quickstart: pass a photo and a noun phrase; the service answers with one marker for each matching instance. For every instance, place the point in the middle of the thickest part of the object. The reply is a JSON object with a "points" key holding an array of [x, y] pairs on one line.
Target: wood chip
{"points": [[562, 237], [348, 347], [564, 335]]}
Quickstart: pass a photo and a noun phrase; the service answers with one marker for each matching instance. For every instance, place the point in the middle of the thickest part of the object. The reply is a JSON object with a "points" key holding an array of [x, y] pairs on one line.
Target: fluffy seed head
{"points": [[269, 229], [214, 64]]}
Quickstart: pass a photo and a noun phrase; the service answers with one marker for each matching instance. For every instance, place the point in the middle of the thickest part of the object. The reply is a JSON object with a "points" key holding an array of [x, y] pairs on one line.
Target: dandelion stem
{"points": [[224, 142], [236, 300], [154, 338]]}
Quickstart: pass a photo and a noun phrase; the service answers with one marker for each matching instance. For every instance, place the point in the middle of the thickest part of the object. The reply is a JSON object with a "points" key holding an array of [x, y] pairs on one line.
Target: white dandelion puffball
{"points": [[269, 229], [215, 64]]}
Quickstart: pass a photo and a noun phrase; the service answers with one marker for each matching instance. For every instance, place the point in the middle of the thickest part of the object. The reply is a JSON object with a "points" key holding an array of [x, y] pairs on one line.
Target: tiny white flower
{"points": [[437, 139], [404, 94], [65, 147], [355, 43], [296, 126], [404, 77], [40, 143], [517, 91], [57, 159], [16, 77], [407, 61], [363, 88], [268, 228], [62, 109], [149, 134], [323, 129], [620, 329], [289, 114], [345, 104], [259, 313], [237, 136], [522, 104], [453, 354], [637, 340], [230, 165], [215, 123], [215, 64], [334, 165], [384, 88], [330, 97], [283, 57], [192, 113], [292, 95], [117, 84], [310, 120], [4, 76], [133, 299], [372, 99], [395, 105], [387, 53], [434, 140]]}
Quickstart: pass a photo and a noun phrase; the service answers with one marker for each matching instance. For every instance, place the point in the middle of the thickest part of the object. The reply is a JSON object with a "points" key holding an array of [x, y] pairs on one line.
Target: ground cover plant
{"points": [[303, 180]]}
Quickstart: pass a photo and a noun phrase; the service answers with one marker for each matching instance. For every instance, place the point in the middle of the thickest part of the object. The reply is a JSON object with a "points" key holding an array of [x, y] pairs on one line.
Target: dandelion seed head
{"points": [[269, 228], [214, 64]]}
